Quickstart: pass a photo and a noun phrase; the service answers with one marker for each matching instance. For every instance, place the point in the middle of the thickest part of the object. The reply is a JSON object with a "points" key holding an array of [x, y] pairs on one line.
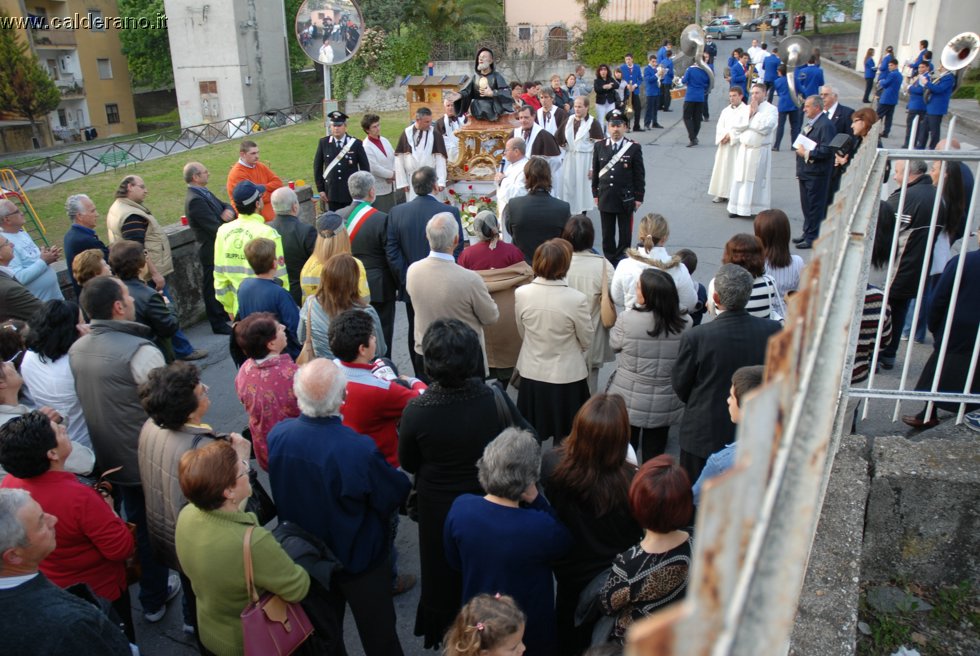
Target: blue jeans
{"points": [[182, 346], [153, 580], [794, 127], [650, 117]]}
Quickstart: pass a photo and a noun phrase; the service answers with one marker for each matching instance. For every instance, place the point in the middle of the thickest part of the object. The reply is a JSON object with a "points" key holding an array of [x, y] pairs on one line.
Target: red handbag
{"points": [[270, 625]]}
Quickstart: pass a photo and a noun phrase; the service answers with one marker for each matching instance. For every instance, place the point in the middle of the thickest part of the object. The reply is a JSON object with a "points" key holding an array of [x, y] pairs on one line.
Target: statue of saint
{"points": [[487, 96]]}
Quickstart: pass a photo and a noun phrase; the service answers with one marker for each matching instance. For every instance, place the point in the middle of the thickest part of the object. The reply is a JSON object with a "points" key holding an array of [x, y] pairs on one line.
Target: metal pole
{"points": [[697, 12]]}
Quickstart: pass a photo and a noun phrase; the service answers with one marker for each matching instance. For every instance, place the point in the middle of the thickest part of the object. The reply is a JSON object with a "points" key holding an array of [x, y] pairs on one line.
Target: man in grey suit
{"points": [[407, 242], [442, 289], [708, 356]]}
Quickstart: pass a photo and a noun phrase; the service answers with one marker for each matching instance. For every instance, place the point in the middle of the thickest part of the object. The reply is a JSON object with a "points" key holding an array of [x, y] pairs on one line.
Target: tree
{"points": [[148, 51], [817, 8], [389, 15], [25, 85], [448, 17]]}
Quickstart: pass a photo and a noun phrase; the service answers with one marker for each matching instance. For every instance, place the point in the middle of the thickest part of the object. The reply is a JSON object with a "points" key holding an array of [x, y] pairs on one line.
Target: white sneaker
{"points": [[972, 420], [173, 589]]}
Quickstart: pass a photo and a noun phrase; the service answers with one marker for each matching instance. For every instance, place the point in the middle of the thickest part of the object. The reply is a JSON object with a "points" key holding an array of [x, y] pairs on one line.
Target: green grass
{"points": [[288, 151], [173, 116]]}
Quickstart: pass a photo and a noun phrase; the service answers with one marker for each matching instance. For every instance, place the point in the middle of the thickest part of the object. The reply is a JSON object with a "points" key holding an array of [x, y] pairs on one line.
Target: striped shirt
{"points": [[787, 278], [870, 315]]}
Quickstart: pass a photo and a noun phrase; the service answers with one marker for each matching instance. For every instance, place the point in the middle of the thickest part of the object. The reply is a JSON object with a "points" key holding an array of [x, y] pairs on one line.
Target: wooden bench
{"points": [[115, 159]]}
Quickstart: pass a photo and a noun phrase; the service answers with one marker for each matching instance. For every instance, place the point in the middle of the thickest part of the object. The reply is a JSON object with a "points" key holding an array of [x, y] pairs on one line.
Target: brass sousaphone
{"points": [[692, 43], [796, 49], [958, 53]]}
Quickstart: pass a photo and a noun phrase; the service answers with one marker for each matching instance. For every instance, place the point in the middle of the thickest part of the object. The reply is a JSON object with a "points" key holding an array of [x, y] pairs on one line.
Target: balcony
{"points": [[54, 39], [70, 86]]}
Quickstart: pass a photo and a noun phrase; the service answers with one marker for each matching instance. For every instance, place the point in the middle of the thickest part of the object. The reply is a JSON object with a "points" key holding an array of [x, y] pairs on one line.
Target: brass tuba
{"points": [[692, 45], [797, 51], [957, 54]]}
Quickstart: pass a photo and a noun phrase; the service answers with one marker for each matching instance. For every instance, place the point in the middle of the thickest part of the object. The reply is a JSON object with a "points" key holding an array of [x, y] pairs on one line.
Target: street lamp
{"points": [[655, 3]]}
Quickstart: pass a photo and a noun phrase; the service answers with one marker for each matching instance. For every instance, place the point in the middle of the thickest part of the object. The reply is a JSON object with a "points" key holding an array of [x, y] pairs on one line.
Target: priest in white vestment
{"points": [[420, 145], [577, 136], [447, 127], [734, 115], [510, 178], [750, 192], [538, 141]]}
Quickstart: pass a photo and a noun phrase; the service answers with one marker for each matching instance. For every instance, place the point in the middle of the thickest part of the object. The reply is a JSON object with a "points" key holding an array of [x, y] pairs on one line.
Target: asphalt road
{"points": [[677, 178]]}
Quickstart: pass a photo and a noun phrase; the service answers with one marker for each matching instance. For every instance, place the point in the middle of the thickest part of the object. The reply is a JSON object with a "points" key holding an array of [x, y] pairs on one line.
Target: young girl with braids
{"points": [[488, 625]]}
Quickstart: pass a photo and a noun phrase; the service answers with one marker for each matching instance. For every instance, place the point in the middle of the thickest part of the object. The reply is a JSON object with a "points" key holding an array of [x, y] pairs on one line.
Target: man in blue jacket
{"points": [[770, 66], [940, 89], [336, 484], [696, 81], [738, 73], [787, 109], [81, 235], [916, 108], [651, 88], [633, 77], [889, 83], [813, 78], [667, 83]]}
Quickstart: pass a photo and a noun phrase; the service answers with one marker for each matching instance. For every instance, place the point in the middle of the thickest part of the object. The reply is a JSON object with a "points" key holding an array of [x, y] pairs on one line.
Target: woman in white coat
{"points": [[587, 273], [651, 252], [381, 157], [556, 329]]}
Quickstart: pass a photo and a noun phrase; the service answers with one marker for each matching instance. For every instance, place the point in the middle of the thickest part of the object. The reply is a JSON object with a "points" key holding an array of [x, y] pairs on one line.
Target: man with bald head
{"points": [[336, 485], [206, 213], [441, 289], [510, 177], [30, 265]]}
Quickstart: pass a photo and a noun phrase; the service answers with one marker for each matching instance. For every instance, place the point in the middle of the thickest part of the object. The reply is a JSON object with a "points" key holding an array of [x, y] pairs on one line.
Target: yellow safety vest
{"points": [[230, 265]]}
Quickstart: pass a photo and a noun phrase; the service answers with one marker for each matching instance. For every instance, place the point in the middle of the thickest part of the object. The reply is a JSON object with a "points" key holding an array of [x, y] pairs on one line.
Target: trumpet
{"points": [[957, 54]]}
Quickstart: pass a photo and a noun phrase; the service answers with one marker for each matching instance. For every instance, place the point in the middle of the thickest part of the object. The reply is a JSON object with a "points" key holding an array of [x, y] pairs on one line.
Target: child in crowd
{"points": [[489, 625], [690, 260], [744, 380]]}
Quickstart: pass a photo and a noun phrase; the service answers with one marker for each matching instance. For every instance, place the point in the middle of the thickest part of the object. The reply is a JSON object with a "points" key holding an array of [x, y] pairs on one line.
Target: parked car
{"points": [[756, 23], [723, 28]]}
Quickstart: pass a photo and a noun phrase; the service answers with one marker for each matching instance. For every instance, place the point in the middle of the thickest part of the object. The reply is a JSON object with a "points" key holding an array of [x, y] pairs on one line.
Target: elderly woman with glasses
{"points": [[210, 535], [93, 543], [175, 401], [507, 540]]}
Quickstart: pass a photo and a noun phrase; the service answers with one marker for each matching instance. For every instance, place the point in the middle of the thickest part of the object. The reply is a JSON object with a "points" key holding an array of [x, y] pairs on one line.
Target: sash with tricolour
{"points": [[358, 217]]}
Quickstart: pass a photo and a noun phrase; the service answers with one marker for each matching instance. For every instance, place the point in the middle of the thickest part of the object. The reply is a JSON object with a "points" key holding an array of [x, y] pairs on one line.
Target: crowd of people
{"points": [[103, 417]]}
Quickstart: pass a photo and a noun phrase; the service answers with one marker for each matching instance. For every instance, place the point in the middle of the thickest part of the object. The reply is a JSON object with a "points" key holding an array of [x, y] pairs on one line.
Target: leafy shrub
{"points": [[382, 57]]}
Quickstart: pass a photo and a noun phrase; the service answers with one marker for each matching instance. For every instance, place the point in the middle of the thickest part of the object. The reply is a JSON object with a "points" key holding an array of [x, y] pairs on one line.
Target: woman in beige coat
{"points": [[554, 322], [585, 275]]}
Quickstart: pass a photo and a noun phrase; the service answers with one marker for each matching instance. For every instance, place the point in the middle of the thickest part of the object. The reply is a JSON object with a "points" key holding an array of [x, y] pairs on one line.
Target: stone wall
{"points": [[838, 47], [185, 281], [376, 98], [895, 509]]}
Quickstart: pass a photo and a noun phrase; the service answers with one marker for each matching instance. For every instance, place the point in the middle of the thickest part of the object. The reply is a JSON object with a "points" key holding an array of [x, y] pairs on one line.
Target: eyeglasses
{"points": [[246, 472]]}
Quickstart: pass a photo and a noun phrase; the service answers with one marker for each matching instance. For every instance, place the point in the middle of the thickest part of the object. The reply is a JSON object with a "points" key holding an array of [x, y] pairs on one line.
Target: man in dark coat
{"points": [[537, 217], [708, 356], [337, 156], [618, 183], [368, 231], [16, 301], [298, 238], [81, 235], [206, 213], [813, 169], [487, 96], [407, 242], [914, 248]]}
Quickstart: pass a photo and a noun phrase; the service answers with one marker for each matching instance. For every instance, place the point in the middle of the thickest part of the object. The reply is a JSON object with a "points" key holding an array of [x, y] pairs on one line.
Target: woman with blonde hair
{"points": [[651, 252], [331, 239], [89, 264], [339, 290]]}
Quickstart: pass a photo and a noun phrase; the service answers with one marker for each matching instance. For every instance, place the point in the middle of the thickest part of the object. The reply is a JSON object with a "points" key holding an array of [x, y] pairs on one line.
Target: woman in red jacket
{"points": [[93, 543]]}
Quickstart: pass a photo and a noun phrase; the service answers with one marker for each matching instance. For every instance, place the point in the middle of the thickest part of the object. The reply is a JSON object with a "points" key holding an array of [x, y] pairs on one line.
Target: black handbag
{"points": [[260, 502]]}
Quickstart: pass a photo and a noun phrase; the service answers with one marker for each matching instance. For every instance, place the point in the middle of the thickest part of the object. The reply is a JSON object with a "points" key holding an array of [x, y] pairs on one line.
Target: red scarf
{"points": [[377, 142]]}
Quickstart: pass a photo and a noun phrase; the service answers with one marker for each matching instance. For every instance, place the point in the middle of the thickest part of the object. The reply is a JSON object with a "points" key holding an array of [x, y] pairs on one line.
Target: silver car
{"points": [[723, 28]]}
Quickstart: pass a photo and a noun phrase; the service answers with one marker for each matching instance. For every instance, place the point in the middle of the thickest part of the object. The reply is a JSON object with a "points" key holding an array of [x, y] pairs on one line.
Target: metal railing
{"points": [[67, 165], [756, 522], [936, 232], [537, 42]]}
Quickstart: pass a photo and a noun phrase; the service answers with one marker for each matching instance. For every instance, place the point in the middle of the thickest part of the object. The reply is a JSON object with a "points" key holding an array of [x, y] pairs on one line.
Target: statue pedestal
{"points": [[481, 148]]}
